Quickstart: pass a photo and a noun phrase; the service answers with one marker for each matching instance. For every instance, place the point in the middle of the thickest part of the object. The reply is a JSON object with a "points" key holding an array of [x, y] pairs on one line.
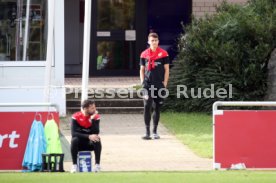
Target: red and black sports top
{"points": [[154, 66], [83, 126]]}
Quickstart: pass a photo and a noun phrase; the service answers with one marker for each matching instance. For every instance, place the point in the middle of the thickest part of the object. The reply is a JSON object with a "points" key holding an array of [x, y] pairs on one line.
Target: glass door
{"points": [[114, 36]]}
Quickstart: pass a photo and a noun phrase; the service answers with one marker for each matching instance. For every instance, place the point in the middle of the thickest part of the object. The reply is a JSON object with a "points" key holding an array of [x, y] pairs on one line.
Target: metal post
{"points": [[26, 34], [18, 30], [86, 49], [49, 56]]}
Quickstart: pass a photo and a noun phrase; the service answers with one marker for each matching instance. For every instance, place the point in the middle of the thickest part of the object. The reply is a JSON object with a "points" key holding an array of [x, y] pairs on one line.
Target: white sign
{"points": [[130, 35], [103, 34]]}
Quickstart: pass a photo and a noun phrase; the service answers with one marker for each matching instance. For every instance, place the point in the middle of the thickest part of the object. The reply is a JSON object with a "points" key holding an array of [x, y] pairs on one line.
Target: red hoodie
{"points": [[83, 120], [151, 56]]}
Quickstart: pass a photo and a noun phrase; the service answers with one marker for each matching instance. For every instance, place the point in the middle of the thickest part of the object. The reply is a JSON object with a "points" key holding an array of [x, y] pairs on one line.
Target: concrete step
{"points": [[108, 103], [130, 94], [111, 110], [109, 106], [113, 101]]}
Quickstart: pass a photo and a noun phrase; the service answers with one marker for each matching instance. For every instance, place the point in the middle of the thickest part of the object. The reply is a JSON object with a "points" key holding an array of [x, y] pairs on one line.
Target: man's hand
{"points": [[94, 138], [165, 84], [142, 73], [167, 73], [93, 116]]}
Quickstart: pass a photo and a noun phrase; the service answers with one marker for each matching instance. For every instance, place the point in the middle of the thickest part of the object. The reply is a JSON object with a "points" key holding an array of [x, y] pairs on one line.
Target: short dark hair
{"points": [[87, 103], [154, 35]]}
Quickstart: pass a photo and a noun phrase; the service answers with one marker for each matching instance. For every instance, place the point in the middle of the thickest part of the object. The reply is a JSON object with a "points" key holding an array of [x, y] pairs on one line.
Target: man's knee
{"points": [[75, 141], [148, 103], [97, 144]]}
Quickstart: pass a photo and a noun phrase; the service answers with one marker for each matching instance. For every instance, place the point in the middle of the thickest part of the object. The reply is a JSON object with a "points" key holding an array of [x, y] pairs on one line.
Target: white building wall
{"points": [[24, 81], [202, 7]]}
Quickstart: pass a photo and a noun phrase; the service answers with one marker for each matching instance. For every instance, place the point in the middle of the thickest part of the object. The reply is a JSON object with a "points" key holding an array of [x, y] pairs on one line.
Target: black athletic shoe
{"points": [[146, 137]]}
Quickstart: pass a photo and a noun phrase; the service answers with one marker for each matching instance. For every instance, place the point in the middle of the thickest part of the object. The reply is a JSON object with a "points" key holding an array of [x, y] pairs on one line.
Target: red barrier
{"points": [[247, 137], [14, 132]]}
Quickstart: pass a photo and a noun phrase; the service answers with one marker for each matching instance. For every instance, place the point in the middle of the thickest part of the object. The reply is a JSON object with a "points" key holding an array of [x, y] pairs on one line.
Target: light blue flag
{"points": [[36, 146]]}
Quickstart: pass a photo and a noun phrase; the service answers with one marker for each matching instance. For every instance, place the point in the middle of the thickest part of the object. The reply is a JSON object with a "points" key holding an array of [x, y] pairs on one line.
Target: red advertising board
{"points": [[14, 132], [243, 136]]}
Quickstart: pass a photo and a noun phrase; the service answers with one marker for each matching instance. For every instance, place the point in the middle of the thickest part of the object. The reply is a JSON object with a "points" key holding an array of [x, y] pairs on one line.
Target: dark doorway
{"points": [[119, 31], [165, 18], [116, 36]]}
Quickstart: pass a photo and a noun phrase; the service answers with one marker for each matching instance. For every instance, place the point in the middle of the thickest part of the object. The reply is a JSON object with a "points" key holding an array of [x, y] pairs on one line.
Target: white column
{"points": [[86, 49], [26, 34], [50, 47]]}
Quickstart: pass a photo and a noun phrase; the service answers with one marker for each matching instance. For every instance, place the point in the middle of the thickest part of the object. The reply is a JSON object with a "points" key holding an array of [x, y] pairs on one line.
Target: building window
{"points": [[22, 40], [115, 14]]}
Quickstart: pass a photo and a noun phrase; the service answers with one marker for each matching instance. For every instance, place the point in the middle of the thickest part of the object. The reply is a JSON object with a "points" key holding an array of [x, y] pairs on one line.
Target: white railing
{"points": [[236, 103], [30, 105]]}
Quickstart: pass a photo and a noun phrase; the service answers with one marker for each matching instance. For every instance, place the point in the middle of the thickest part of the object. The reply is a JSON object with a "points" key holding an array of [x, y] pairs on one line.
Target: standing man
{"points": [[85, 129], [154, 76]]}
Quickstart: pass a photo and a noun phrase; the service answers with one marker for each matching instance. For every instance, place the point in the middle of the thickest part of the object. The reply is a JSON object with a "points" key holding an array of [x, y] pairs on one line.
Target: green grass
{"points": [[137, 87], [145, 177], [193, 129]]}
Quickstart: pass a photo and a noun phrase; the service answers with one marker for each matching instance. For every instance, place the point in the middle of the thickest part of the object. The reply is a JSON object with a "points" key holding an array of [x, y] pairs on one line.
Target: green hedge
{"points": [[232, 46]]}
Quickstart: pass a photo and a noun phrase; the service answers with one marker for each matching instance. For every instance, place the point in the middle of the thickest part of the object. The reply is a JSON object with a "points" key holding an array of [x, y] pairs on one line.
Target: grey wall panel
{"points": [[81, 40], [72, 33]]}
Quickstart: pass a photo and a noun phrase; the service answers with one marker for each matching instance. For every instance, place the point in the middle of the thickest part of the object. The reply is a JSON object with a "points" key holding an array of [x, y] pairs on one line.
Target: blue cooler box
{"points": [[84, 161]]}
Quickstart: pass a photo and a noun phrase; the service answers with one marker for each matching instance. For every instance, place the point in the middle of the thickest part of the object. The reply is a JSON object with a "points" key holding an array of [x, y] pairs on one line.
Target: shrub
{"points": [[230, 47]]}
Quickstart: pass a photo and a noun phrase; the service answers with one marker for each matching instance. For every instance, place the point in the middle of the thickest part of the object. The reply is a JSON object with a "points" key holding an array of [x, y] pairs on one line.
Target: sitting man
{"points": [[85, 128]]}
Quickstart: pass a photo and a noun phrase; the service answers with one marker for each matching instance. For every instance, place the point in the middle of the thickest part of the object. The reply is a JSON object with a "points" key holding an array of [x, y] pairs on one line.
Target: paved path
{"points": [[124, 150]]}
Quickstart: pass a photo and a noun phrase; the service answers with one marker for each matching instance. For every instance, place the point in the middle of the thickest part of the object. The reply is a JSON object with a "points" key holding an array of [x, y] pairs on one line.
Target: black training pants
{"points": [[80, 144], [152, 102]]}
